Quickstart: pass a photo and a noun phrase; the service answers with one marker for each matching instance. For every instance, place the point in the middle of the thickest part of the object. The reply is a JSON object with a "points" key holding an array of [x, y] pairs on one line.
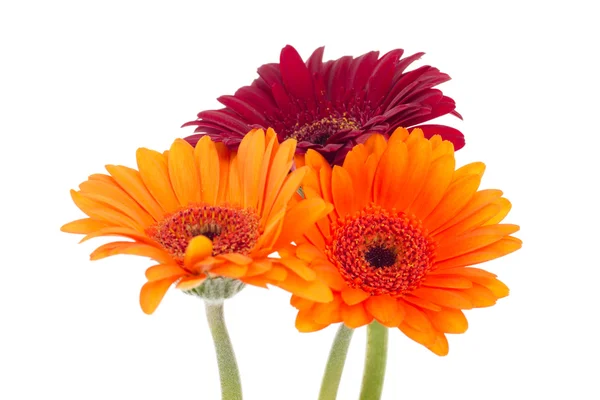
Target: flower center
{"points": [[319, 131], [381, 252], [232, 230]]}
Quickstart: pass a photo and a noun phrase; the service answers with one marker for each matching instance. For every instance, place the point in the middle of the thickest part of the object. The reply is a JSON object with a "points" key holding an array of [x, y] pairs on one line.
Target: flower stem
{"points": [[335, 363], [231, 387], [375, 360]]}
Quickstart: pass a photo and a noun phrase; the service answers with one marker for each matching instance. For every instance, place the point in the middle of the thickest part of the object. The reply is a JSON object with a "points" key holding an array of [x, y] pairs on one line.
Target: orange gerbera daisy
{"points": [[405, 230], [204, 212]]}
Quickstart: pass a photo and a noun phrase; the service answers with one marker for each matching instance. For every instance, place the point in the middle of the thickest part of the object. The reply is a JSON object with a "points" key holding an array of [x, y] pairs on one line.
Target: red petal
{"points": [[296, 77], [381, 78], [244, 109], [447, 133]]}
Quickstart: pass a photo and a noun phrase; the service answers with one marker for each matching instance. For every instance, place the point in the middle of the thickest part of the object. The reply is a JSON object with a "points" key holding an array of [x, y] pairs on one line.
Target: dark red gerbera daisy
{"points": [[331, 106]]}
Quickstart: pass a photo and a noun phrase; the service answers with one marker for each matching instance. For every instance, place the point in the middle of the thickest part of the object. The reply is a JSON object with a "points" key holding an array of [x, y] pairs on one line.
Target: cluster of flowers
{"points": [[320, 179]]}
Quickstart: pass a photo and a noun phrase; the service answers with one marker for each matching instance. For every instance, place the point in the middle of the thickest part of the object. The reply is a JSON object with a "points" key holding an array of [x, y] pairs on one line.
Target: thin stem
{"points": [[375, 360], [231, 387], [335, 363]]}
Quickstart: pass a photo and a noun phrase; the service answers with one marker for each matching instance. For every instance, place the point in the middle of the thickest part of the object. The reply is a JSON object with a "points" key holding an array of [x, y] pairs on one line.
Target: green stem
{"points": [[375, 360], [335, 363], [231, 387]]}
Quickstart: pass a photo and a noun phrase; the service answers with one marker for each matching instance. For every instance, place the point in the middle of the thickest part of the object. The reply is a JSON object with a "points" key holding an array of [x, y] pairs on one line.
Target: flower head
{"points": [[204, 212], [400, 244], [331, 106]]}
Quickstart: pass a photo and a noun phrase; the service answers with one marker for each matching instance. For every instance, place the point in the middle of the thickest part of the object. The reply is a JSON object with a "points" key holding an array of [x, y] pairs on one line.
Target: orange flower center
{"points": [[232, 230], [381, 252], [319, 131]]}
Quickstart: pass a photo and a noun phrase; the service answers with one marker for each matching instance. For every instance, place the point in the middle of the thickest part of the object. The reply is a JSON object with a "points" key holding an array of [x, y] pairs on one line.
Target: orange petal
{"points": [[422, 303], [120, 231], [259, 267], [355, 316], [385, 309], [505, 207], [455, 198], [479, 200], [236, 258], [390, 174], [473, 221], [234, 194], [308, 252], [153, 292], [163, 271], [113, 195], [299, 267], [224, 157], [425, 338], [415, 318], [259, 281], [437, 181], [448, 320], [464, 272], [190, 282], [197, 250], [103, 212], [497, 287], [250, 158], [480, 296], [154, 172], [352, 296], [342, 191], [305, 322], [474, 240], [288, 189], [278, 170], [444, 297], [354, 164], [301, 303], [401, 134], [229, 270], [330, 275], [500, 248], [377, 143], [183, 173], [84, 226], [132, 248], [474, 168], [447, 281], [276, 273], [313, 290], [328, 313], [208, 165], [131, 181], [440, 345], [300, 218], [417, 169]]}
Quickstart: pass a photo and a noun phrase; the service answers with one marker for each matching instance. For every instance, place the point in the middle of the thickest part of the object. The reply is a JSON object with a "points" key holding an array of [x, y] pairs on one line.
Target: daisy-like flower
{"points": [[204, 212], [400, 244], [331, 106]]}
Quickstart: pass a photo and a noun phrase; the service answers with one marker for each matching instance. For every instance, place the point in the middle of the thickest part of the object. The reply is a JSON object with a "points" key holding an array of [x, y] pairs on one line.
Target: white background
{"points": [[85, 83]]}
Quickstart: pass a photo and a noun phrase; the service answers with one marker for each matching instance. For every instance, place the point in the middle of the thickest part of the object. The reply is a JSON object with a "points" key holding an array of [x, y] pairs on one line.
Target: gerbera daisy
{"points": [[204, 212], [331, 106], [400, 244]]}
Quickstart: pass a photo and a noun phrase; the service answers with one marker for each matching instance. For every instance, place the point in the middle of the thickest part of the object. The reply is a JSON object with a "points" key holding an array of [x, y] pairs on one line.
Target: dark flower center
{"points": [[381, 252], [379, 256], [320, 131]]}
